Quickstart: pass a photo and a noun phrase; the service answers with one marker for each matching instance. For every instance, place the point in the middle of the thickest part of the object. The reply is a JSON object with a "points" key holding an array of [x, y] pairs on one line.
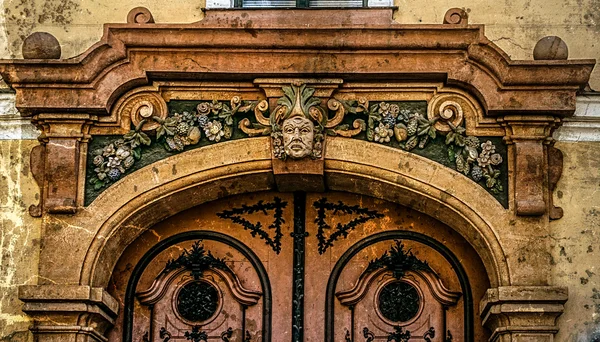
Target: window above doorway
{"points": [[296, 3]]}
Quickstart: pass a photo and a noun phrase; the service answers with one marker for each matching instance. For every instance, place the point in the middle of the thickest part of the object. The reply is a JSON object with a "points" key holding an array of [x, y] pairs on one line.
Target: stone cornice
{"points": [[368, 44]]}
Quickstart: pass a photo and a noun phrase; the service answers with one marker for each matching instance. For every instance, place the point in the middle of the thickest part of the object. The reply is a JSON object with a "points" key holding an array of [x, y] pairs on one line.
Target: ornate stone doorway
{"points": [[299, 267], [149, 136]]}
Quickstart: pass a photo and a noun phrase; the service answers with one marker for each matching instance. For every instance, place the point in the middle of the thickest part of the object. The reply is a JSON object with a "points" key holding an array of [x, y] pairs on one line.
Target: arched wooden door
{"points": [[299, 267]]}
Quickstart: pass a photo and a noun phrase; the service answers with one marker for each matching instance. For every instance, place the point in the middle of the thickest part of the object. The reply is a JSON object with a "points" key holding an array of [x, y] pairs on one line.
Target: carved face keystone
{"points": [[298, 133]]}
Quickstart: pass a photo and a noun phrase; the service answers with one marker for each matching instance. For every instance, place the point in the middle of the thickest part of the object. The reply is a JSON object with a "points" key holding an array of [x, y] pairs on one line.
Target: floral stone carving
{"points": [[298, 126], [212, 121], [388, 122]]}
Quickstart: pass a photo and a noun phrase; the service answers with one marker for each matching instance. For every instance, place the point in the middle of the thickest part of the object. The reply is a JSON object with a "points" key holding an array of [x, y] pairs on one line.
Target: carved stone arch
{"points": [[427, 193]]}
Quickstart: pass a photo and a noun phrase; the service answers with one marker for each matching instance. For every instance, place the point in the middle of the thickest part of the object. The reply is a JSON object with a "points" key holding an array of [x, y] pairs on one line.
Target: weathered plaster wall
{"points": [[576, 250], [19, 236]]}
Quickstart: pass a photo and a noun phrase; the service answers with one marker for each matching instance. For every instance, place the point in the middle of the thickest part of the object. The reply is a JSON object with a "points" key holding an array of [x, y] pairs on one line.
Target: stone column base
{"points": [[68, 313], [523, 313]]}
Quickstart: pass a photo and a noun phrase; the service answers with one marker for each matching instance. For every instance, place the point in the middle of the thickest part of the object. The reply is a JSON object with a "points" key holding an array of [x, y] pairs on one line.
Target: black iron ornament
{"points": [[196, 335], [197, 301], [226, 335], [399, 301], [299, 236], [341, 230], [164, 334], [197, 260], [277, 205], [398, 261], [429, 334], [368, 335], [399, 335]]}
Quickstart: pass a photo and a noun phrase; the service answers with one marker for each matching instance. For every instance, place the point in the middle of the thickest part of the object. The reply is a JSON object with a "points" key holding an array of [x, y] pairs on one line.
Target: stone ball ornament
{"points": [[551, 48], [41, 45]]}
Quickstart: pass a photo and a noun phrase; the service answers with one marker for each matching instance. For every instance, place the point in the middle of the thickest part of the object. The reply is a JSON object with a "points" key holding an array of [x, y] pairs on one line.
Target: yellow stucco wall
{"points": [[576, 250], [515, 25], [19, 236]]}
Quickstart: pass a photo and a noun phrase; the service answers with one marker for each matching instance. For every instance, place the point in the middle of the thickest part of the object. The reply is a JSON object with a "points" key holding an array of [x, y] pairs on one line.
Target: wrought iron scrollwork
{"points": [[277, 205], [347, 337], [248, 336], [197, 260], [449, 336], [226, 335], [399, 301], [429, 334], [341, 230], [146, 338], [368, 335], [164, 334], [399, 335], [196, 335], [197, 301], [299, 234], [398, 261]]}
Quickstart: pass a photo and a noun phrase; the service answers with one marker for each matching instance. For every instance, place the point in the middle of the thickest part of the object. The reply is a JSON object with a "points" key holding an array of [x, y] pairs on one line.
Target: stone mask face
{"points": [[298, 133]]}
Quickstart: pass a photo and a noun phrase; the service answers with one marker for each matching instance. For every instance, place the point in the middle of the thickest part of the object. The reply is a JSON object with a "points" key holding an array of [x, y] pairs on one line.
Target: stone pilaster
{"points": [[529, 136], [59, 164]]}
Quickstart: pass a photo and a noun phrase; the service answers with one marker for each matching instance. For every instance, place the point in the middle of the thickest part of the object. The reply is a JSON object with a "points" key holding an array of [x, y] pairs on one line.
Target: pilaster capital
{"points": [[528, 127], [522, 313], [64, 126]]}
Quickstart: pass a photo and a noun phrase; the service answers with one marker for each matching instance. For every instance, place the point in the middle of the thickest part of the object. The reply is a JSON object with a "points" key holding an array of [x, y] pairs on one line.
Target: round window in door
{"points": [[398, 301]]}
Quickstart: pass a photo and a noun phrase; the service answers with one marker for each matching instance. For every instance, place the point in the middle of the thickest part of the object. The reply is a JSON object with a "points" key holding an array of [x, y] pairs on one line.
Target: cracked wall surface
{"points": [[576, 241], [19, 236]]}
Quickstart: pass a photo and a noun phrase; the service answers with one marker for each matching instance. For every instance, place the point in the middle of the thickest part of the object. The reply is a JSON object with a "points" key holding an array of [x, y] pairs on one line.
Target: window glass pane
{"points": [[219, 3], [381, 3], [269, 3], [335, 3]]}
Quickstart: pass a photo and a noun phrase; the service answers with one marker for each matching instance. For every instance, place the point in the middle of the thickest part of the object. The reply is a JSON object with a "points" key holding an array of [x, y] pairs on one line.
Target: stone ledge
{"points": [[584, 125], [523, 313], [66, 298], [12, 125]]}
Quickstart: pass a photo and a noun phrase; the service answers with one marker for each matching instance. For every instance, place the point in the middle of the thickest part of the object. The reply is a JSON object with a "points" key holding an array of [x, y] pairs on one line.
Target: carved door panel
{"points": [[300, 267], [374, 274], [199, 297]]}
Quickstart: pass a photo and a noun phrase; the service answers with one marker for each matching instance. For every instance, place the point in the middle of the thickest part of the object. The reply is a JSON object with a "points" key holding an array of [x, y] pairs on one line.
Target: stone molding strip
{"points": [[523, 310], [584, 125], [12, 125], [61, 311]]}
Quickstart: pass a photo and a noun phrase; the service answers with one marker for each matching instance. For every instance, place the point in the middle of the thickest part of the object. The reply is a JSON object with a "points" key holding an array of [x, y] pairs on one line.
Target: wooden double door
{"points": [[299, 267]]}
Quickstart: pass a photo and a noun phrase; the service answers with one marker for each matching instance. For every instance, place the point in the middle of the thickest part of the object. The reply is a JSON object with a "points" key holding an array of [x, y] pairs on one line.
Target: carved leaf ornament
{"points": [[385, 123], [398, 261], [197, 260]]}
